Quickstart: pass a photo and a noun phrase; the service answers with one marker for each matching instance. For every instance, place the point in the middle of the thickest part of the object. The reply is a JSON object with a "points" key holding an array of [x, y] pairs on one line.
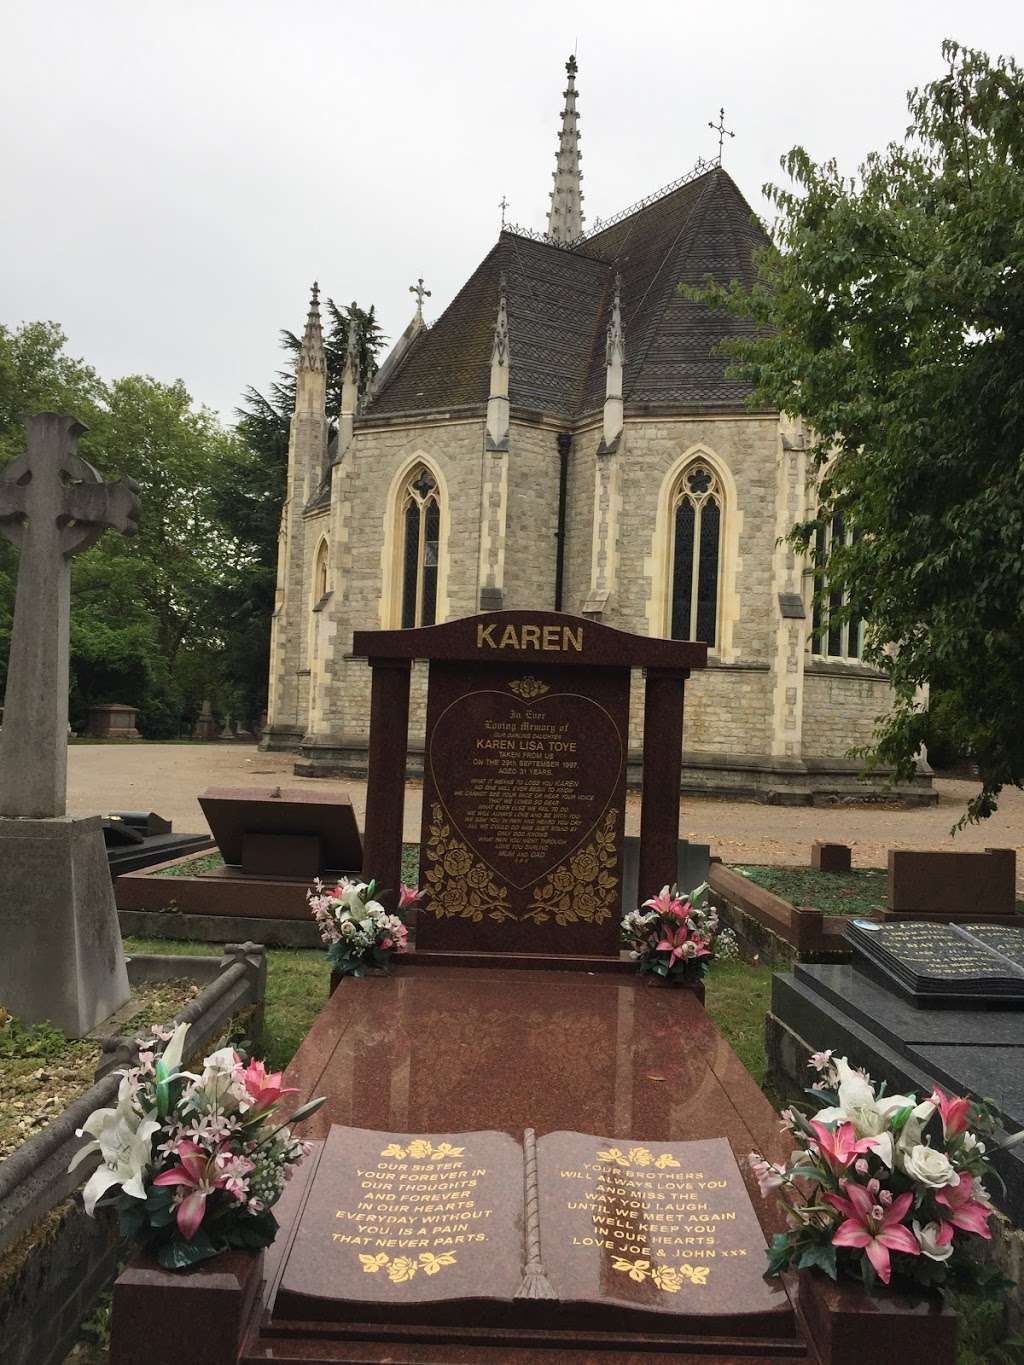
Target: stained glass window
{"points": [[421, 520], [834, 635], [696, 555]]}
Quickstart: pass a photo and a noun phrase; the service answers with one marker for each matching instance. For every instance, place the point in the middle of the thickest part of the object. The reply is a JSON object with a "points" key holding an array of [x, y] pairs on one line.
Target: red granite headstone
{"points": [[524, 777], [283, 832], [523, 809]]}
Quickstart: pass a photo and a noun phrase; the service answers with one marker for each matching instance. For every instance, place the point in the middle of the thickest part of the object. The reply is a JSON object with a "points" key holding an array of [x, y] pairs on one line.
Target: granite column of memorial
{"points": [[385, 791], [663, 761]]}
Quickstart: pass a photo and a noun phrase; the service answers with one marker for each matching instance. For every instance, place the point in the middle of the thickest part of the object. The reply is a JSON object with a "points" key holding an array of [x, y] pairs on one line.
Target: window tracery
{"points": [[697, 514]]}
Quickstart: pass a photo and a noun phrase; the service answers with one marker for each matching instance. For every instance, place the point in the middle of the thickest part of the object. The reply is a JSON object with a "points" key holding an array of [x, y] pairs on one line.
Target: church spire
{"points": [[311, 373], [565, 218], [349, 383]]}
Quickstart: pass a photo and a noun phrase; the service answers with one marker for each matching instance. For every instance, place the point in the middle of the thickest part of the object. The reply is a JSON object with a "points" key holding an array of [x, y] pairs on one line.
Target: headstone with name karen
{"points": [[527, 733]]}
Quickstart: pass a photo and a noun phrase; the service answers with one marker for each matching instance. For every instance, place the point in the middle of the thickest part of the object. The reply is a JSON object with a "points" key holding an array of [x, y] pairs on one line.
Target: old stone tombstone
{"points": [[62, 957], [527, 733]]}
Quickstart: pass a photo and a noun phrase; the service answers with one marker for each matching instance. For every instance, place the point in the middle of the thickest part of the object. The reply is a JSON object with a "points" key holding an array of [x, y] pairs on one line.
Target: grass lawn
{"points": [[737, 996], [834, 893], [297, 980]]}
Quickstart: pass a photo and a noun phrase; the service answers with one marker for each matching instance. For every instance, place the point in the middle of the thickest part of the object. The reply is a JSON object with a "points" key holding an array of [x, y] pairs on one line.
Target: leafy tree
{"points": [[891, 317]]}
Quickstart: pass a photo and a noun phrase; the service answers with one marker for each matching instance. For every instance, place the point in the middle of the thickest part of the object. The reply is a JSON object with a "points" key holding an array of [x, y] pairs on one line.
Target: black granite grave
{"points": [[945, 965], [877, 1025], [141, 838]]}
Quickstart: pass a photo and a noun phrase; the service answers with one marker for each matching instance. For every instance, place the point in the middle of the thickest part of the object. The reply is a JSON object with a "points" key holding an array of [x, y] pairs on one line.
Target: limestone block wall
{"points": [[579, 520], [365, 549], [531, 518], [840, 707], [726, 711]]}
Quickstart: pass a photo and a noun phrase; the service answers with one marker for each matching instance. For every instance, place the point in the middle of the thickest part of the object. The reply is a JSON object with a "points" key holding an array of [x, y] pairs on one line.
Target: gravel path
{"points": [[167, 778]]}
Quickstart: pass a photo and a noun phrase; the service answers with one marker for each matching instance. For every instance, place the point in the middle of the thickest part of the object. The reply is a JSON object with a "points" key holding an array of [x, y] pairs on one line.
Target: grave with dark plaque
{"points": [[946, 964], [524, 785], [138, 838]]}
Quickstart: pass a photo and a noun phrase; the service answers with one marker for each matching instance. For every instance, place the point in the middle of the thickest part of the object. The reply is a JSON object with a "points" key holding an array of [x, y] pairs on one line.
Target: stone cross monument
{"points": [[62, 957]]}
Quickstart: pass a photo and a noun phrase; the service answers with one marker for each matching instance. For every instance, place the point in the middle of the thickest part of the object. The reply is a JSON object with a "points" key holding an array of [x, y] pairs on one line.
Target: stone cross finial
{"points": [[421, 294], [503, 205], [53, 505]]}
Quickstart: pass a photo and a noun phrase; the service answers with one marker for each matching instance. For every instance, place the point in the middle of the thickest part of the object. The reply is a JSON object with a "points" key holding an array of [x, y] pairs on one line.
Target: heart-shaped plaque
{"points": [[525, 783]]}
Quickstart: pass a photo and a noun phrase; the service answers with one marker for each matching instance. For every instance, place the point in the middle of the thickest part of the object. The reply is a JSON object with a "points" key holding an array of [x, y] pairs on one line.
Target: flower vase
{"points": [[849, 1326]]}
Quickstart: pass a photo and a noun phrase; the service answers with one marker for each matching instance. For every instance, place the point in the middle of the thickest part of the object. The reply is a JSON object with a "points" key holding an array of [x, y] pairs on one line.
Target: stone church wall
{"points": [[532, 518], [840, 706]]}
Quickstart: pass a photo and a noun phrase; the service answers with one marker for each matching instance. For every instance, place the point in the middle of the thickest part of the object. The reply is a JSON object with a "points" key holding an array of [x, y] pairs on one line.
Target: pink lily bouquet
{"points": [[356, 930], [880, 1186], [198, 1161], [675, 937]]}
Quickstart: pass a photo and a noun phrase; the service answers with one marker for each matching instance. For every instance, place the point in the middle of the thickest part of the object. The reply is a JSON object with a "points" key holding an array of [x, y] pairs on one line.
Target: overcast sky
{"points": [[177, 173]]}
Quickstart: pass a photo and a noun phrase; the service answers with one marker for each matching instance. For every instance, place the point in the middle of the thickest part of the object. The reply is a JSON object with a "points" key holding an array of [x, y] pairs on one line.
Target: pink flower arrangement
{"points": [[198, 1161], [356, 930], [675, 937], [880, 1186]]}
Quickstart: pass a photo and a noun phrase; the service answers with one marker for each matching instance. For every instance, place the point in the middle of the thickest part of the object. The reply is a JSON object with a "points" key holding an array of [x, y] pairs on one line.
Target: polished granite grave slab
{"points": [[963, 1050], [436, 1049]]}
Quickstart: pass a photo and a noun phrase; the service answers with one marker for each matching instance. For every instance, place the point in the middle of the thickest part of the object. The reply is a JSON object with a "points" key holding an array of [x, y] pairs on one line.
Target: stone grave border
{"points": [[768, 926], [179, 907], [54, 1261]]}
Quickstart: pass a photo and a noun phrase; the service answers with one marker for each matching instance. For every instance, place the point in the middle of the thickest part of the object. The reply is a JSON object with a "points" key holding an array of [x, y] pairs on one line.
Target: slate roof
{"points": [[558, 306]]}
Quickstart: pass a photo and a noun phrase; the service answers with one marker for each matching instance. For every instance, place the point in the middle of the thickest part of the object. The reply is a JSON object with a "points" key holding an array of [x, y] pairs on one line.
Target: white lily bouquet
{"points": [[883, 1187], [356, 930], [198, 1161]]}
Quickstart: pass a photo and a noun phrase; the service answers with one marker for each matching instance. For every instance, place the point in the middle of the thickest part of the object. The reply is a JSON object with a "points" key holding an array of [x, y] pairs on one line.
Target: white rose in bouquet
{"points": [[929, 1167]]}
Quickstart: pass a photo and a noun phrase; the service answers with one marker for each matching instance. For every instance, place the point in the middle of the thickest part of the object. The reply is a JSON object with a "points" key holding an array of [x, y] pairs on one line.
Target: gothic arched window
{"points": [[320, 574], [697, 508], [420, 529], [832, 636]]}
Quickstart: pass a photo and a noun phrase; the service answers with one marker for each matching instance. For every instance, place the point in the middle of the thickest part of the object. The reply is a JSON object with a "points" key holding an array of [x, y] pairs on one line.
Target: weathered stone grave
{"points": [[62, 957], [525, 777]]}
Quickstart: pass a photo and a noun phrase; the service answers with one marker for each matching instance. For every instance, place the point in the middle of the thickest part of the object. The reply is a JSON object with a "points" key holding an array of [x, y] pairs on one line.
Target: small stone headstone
{"points": [[955, 886], [827, 857]]}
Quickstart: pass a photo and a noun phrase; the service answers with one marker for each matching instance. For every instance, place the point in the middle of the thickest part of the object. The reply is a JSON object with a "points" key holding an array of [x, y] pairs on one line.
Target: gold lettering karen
{"points": [[547, 639]]}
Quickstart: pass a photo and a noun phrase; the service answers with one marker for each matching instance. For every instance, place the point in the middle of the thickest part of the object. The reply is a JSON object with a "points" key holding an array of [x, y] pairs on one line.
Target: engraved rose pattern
{"points": [[584, 888], [404, 1268]]}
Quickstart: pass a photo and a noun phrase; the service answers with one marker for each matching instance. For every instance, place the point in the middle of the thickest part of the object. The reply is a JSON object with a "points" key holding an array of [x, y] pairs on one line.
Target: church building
{"points": [[565, 437]]}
